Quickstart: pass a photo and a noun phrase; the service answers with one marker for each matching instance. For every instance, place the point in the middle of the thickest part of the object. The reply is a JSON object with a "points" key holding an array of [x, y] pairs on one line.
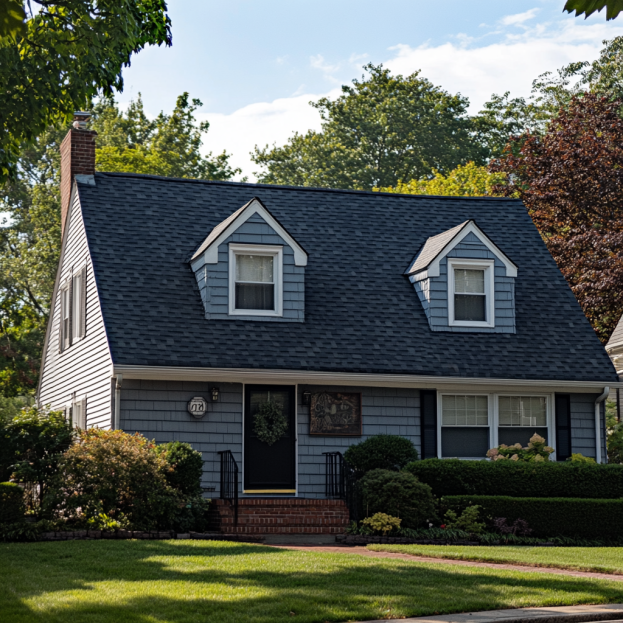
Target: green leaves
{"points": [[588, 7], [12, 19], [70, 51]]}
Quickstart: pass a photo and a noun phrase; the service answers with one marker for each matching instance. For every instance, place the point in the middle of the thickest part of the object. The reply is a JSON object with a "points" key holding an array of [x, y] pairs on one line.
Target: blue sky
{"points": [[256, 65]]}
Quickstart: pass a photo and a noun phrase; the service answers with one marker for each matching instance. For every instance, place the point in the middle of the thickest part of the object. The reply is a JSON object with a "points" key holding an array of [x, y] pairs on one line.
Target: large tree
{"points": [[30, 237], [571, 180], [381, 129], [67, 52]]}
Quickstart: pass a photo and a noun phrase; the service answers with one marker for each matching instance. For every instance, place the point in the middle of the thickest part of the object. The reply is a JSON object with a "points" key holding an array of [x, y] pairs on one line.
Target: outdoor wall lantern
{"points": [[214, 394], [306, 398]]}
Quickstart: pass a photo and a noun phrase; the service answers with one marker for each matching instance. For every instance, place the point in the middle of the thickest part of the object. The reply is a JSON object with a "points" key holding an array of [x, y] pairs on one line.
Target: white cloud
{"points": [[260, 124], [518, 18], [510, 64], [471, 67]]}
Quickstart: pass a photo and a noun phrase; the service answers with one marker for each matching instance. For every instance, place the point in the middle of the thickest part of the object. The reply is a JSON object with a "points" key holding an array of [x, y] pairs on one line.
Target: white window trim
{"points": [[489, 267], [256, 249], [494, 416]]}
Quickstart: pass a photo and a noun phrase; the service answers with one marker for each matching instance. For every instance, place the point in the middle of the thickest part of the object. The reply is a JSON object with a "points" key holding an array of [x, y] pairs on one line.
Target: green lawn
{"points": [[203, 581], [602, 559]]}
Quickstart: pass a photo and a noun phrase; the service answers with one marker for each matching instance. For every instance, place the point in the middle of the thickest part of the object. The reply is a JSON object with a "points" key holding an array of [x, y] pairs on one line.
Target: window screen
{"points": [[469, 295], [255, 282], [464, 426]]}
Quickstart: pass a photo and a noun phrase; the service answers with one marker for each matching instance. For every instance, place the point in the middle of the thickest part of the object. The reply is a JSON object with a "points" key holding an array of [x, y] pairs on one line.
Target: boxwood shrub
{"points": [[187, 466], [542, 480], [553, 517], [391, 452], [398, 494], [11, 503]]}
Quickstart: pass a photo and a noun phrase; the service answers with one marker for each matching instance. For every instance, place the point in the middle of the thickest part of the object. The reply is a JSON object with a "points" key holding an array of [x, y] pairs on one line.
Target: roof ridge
{"points": [[374, 193]]}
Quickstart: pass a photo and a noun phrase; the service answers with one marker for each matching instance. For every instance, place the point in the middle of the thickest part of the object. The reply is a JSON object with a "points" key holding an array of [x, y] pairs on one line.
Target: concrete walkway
{"points": [[362, 551], [563, 614]]}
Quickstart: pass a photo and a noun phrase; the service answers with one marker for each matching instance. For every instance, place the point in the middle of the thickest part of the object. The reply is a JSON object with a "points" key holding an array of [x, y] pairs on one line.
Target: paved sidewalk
{"points": [[563, 614], [363, 551]]}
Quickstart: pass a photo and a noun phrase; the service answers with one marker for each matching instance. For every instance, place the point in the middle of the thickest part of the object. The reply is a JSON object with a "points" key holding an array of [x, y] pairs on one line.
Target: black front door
{"points": [[269, 468]]}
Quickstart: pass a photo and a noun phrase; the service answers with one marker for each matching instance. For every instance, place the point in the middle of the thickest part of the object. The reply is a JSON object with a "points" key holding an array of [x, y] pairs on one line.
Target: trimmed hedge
{"points": [[391, 452], [542, 480], [11, 503], [554, 517]]}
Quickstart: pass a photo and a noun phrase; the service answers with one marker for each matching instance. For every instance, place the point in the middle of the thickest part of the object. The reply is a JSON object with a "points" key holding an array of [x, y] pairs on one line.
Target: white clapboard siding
{"points": [[85, 367]]}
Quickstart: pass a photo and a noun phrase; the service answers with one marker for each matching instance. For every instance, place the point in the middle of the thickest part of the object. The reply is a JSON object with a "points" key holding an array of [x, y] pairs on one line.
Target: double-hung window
{"points": [[470, 424], [255, 280], [470, 293], [72, 309]]}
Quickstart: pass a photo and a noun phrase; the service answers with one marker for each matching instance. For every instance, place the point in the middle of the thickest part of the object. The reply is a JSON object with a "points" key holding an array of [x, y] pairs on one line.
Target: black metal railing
{"points": [[341, 482], [229, 481]]}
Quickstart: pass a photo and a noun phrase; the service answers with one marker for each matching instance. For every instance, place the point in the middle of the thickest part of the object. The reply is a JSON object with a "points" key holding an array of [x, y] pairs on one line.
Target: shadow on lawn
{"points": [[316, 587]]}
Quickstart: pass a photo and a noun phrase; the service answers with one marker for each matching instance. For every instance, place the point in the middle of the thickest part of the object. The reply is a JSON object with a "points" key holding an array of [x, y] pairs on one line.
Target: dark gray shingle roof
{"points": [[361, 312]]}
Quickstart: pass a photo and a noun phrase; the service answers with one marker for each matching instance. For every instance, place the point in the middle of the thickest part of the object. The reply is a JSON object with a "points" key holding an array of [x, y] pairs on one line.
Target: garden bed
{"points": [[68, 535]]}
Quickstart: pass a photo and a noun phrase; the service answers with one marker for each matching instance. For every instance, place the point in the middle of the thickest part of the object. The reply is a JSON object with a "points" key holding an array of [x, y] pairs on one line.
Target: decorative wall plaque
{"points": [[335, 414], [197, 406]]}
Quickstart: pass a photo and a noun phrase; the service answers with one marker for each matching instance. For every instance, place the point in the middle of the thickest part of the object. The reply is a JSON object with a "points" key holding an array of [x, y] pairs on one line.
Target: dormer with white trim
{"points": [[465, 282], [250, 268]]}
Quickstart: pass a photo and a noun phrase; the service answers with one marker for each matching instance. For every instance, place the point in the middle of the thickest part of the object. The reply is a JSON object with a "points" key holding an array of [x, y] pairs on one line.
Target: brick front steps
{"points": [[281, 516]]}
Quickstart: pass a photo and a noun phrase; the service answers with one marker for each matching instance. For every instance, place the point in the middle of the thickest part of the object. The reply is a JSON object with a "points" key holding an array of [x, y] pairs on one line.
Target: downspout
{"points": [[118, 382], [599, 400]]}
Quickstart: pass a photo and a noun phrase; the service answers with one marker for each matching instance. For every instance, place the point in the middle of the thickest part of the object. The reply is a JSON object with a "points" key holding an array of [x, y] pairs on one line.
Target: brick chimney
{"points": [[77, 158]]}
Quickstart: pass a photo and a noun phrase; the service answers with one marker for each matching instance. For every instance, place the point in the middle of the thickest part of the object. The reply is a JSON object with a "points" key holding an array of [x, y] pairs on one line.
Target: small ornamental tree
{"points": [[571, 180]]}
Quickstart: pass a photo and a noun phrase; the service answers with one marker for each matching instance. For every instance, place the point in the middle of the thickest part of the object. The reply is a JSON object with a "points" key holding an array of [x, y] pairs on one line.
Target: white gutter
{"points": [[118, 382], [599, 400], [255, 375]]}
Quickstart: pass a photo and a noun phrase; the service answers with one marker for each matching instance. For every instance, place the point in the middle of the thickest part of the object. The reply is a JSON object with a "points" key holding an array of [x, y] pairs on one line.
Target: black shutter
{"points": [[70, 302], [61, 324], [563, 427], [428, 415], [83, 302]]}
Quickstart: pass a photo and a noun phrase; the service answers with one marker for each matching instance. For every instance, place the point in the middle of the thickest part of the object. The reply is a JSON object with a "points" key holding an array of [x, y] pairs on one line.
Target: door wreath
{"points": [[270, 423]]}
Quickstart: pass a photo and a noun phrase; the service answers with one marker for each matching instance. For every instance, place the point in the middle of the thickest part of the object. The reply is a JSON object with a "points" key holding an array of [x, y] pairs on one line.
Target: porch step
{"points": [[281, 516]]}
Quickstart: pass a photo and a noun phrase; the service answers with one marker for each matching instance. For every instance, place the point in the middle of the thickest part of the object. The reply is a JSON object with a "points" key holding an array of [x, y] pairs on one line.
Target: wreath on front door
{"points": [[270, 423]]}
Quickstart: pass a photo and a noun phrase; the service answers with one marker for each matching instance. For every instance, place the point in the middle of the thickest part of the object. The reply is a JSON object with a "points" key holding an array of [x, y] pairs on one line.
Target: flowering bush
{"points": [[381, 522], [536, 451], [116, 475]]}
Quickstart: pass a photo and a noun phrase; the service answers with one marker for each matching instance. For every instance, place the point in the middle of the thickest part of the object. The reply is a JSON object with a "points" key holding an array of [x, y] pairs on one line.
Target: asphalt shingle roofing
{"points": [[361, 312]]}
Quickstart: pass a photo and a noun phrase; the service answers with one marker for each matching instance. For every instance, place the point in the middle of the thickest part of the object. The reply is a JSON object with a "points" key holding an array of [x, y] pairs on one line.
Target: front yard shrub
{"points": [[186, 466], [467, 520], [381, 523], [553, 517], [399, 494], [381, 452], [11, 503], [31, 447], [514, 478], [119, 475], [536, 451]]}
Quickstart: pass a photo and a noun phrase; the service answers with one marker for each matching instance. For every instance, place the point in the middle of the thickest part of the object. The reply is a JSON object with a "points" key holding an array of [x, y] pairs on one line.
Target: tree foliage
{"points": [[571, 180], [69, 51], [588, 7], [467, 180], [168, 145], [382, 129]]}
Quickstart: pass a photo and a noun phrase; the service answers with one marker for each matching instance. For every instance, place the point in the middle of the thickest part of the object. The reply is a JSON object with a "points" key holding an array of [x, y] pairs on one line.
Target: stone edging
{"points": [[91, 535], [360, 539]]}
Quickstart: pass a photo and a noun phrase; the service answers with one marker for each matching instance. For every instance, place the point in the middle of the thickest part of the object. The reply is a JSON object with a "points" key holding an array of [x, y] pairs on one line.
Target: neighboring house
{"points": [[441, 319], [614, 348]]}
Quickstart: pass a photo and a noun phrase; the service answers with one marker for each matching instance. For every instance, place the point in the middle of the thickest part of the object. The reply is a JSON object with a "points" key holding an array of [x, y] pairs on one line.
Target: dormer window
{"points": [[470, 293], [255, 280]]}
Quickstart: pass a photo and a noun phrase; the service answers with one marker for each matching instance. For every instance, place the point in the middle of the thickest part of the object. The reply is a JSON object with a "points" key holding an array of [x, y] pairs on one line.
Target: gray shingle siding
{"points": [[83, 368], [213, 279], [433, 292], [583, 425]]}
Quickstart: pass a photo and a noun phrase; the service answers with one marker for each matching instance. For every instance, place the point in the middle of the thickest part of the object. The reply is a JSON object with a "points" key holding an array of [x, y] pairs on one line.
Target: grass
{"points": [[601, 559], [203, 581]]}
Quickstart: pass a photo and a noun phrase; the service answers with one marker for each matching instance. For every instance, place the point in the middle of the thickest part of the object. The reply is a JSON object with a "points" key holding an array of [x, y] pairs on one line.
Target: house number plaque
{"points": [[197, 407]]}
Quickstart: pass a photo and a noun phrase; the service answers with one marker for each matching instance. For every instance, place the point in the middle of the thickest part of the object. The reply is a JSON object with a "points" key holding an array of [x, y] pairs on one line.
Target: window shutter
{"points": [[83, 302], [83, 411], [563, 427], [70, 302], [428, 415], [61, 324]]}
